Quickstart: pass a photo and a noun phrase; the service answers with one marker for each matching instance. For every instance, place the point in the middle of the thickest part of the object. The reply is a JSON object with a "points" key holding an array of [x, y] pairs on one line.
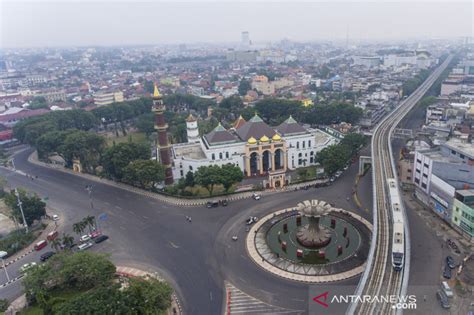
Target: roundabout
{"points": [[312, 242]]}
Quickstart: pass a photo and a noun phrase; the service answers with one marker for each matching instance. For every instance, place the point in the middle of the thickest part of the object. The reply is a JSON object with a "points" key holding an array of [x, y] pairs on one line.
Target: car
{"points": [[27, 266], [446, 289], [450, 262], [256, 196], [85, 246], [234, 238], [85, 238], [443, 299], [55, 217], [224, 203], [52, 235], [46, 256], [212, 204], [96, 233], [251, 220], [447, 272], [101, 238], [40, 245]]}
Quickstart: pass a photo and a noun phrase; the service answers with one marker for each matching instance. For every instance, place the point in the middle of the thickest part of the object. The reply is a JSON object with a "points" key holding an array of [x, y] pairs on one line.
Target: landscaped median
{"points": [[89, 283]]}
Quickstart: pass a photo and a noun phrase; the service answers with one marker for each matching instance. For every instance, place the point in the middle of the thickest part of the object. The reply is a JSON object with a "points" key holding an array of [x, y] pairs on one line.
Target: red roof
{"points": [[23, 114]]}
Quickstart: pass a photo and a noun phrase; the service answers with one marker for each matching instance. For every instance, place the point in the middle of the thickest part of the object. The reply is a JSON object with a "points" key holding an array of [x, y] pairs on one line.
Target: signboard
{"points": [[439, 199]]}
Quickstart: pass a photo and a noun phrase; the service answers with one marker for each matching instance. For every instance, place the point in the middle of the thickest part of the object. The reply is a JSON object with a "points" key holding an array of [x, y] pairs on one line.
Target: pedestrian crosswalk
{"points": [[240, 303]]}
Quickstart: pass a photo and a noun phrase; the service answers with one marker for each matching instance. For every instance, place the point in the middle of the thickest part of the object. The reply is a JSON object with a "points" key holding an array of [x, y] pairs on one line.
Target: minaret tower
{"points": [[164, 147], [192, 130]]}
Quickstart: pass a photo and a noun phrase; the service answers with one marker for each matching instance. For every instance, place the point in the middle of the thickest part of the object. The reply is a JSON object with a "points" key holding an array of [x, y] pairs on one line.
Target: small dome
{"points": [[276, 137], [252, 140], [264, 139]]}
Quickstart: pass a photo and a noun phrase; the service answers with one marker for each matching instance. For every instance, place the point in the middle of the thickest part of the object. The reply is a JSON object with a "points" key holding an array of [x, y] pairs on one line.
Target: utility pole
{"points": [[2, 255], [20, 205]]}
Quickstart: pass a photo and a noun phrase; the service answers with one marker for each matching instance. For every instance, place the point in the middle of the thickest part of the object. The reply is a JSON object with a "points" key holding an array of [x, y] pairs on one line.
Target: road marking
{"points": [[239, 302], [122, 228], [145, 217], [120, 208]]}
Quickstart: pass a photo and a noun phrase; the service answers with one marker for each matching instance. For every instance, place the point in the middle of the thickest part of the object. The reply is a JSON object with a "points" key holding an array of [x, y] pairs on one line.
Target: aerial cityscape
{"points": [[236, 157]]}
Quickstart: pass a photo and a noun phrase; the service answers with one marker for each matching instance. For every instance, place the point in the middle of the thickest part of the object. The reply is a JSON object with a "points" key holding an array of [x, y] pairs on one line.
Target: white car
{"points": [[85, 246], [85, 238], [234, 238], [252, 220], [27, 266], [55, 217], [256, 196]]}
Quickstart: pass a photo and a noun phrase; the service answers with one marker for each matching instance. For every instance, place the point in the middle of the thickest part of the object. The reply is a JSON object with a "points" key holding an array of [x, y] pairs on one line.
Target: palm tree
{"points": [[89, 221], [55, 244], [67, 241], [78, 227]]}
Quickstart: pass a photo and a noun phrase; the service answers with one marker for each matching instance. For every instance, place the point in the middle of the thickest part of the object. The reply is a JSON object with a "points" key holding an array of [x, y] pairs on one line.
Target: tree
{"points": [[208, 177], [38, 102], [117, 157], [67, 241], [230, 174], [86, 146], [189, 180], [78, 228], [144, 173], [244, 87], [275, 111], [333, 158], [146, 123], [33, 207], [148, 296], [354, 141], [55, 244]]}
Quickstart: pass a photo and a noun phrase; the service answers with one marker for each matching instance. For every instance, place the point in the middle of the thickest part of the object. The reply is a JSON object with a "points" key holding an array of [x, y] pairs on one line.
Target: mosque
{"points": [[255, 147]]}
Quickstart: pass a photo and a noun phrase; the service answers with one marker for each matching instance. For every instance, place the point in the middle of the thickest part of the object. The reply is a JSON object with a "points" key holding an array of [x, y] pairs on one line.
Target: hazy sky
{"points": [[112, 22]]}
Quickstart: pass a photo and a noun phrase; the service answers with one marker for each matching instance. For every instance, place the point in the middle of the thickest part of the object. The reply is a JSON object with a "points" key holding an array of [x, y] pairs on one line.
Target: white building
{"points": [[253, 146]]}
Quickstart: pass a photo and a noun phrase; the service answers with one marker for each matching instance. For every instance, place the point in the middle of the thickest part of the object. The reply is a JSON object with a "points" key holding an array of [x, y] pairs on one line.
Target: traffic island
{"points": [[312, 242]]}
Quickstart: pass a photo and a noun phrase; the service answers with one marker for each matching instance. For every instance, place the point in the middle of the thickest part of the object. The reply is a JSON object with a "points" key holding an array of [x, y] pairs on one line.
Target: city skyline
{"points": [[40, 23]]}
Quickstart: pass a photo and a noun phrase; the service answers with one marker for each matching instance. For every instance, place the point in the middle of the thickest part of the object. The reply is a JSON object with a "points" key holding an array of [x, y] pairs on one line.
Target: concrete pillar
{"points": [[260, 164], [272, 168], [247, 166]]}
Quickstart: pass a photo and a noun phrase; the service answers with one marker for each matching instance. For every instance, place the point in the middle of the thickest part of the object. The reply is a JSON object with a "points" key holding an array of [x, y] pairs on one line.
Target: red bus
{"points": [[52, 235], [40, 245]]}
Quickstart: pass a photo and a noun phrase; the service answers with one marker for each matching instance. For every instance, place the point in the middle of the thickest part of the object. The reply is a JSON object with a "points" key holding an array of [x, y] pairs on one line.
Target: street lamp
{"points": [[2, 255], [89, 191], [20, 205]]}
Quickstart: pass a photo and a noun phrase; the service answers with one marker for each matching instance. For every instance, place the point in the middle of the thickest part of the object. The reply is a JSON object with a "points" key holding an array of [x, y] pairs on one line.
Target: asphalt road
{"points": [[195, 257]]}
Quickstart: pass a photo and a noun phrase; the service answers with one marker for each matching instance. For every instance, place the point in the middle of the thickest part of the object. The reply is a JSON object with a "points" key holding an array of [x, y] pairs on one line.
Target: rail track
{"points": [[380, 279]]}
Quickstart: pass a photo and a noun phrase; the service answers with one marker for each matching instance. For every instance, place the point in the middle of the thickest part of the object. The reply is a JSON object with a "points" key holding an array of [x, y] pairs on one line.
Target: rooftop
{"points": [[463, 147], [189, 151]]}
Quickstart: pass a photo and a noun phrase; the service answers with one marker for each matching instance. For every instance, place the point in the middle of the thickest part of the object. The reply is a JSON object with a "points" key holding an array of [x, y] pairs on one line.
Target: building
{"points": [[438, 173], [463, 211], [245, 41], [163, 149], [367, 61], [255, 147], [102, 98], [54, 96]]}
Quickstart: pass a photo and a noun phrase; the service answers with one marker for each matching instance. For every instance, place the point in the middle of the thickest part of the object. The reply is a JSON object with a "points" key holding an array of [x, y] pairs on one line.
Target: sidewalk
{"points": [[138, 273], [33, 158]]}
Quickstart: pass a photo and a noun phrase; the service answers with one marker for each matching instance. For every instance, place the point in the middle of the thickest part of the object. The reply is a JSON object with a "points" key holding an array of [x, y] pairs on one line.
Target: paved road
{"points": [[195, 257]]}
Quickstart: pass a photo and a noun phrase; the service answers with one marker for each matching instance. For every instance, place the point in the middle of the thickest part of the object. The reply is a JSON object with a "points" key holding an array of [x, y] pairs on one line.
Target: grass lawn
{"points": [[137, 137], [203, 192], [60, 296]]}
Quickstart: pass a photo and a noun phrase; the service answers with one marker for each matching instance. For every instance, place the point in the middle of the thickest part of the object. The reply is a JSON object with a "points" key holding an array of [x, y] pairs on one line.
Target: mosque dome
{"points": [[264, 139], [276, 137], [252, 140]]}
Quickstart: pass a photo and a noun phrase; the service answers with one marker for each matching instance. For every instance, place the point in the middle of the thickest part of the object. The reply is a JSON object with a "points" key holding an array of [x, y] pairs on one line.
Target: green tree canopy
{"points": [[33, 207], [244, 86], [144, 173], [333, 158], [117, 157]]}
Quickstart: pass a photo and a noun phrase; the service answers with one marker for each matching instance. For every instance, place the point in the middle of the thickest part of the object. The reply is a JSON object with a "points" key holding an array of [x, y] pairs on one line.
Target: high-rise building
{"points": [[164, 147], [245, 43]]}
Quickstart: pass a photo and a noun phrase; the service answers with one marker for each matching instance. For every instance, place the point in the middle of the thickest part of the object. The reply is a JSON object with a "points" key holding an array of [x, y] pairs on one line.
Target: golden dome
{"points": [[264, 139], [276, 137], [252, 140]]}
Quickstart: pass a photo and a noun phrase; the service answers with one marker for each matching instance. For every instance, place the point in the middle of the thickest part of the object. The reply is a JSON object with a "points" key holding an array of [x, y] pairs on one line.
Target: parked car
{"points": [[234, 238], [443, 299], [447, 289], [256, 196], [101, 238], [224, 203], [450, 262], [85, 246], [95, 234], [447, 272], [85, 238], [212, 204], [52, 235], [55, 217], [27, 266], [46, 256], [40, 245]]}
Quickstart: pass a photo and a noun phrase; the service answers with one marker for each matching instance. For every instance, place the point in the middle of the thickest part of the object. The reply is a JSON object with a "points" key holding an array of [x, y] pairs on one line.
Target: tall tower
{"points": [[192, 130], [164, 147]]}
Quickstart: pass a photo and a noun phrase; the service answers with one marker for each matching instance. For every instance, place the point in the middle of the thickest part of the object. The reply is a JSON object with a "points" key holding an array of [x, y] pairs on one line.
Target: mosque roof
{"points": [[290, 127], [256, 128], [220, 136]]}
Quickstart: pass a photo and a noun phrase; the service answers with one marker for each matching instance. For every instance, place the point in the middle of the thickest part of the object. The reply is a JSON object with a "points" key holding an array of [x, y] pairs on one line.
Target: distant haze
{"points": [[71, 23]]}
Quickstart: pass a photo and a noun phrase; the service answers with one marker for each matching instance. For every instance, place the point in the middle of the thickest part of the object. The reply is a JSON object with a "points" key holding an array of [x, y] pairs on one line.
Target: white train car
{"points": [[398, 237]]}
